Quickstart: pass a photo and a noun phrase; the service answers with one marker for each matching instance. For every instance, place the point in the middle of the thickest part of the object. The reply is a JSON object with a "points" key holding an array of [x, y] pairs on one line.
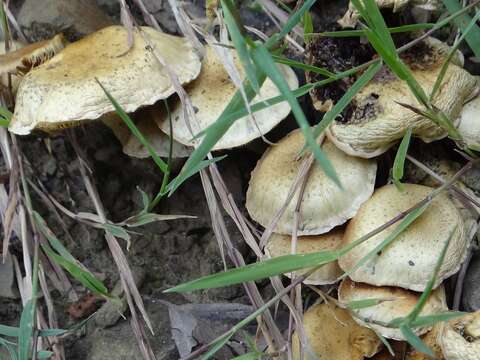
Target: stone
{"points": [[75, 18]]}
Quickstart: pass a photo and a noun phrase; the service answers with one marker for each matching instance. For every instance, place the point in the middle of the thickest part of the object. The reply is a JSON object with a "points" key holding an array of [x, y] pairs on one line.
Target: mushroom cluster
{"points": [[322, 216], [65, 91]]}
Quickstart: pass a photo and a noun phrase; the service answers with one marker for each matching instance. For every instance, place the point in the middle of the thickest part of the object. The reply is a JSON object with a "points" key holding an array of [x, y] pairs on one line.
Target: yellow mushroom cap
{"points": [[211, 92], [64, 89], [324, 204], [145, 122], [460, 338], [409, 261], [469, 124], [332, 334], [279, 245], [378, 119], [398, 303]]}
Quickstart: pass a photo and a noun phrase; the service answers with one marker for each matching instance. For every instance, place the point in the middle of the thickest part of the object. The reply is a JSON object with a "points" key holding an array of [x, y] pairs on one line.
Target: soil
{"points": [[162, 254]]}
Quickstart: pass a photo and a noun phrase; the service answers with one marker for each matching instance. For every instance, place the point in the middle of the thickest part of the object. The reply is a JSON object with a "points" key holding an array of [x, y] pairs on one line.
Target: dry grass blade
{"points": [[147, 16], [307, 163], [232, 210], [130, 287], [221, 233], [184, 24], [127, 21]]}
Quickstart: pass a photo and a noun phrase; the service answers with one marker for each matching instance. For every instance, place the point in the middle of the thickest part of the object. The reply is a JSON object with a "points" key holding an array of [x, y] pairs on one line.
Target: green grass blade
{"points": [[371, 14], [50, 236], [249, 356], [300, 65], [462, 21], [264, 61], [429, 320], [346, 98], [406, 222], [27, 322], [84, 277], [399, 162], [307, 27], [9, 331], [365, 303], [236, 33], [10, 348], [392, 30], [184, 175], [451, 53], [217, 346], [44, 354], [126, 119], [257, 271], [293, 21], [428, 289], [415, 341]]}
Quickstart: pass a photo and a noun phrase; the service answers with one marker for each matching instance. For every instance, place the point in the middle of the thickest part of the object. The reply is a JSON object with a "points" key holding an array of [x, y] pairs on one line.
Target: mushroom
{"points": [[351, 17], [64, 90], [333, 335], [394, 303], [324, 204], [23, 58], [378, 119], [409, 261], [460, 338], [468, 124], [145, 122], [211, 92], [279, 245]]}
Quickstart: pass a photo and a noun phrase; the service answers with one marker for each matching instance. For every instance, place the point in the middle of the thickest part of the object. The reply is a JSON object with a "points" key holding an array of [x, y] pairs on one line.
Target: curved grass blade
{"points": [[236, 30], [430, 320], [415, 341], [184, 175], [399, 162], [265, 62], [406, 222], [133, 128], [346, 98], [428, 289], [452, 52], [10, 331], [473, 38], [85, 277]]}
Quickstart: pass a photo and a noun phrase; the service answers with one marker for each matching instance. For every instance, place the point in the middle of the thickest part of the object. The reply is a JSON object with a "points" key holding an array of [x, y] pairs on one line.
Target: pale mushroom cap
{"points": [[324, 204], [211, 92], [332, 334], [469, 123], [64, 90], [409, 261], [378, 121], [146, 124], [398, 303], [279, 245], [460, 338]]}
